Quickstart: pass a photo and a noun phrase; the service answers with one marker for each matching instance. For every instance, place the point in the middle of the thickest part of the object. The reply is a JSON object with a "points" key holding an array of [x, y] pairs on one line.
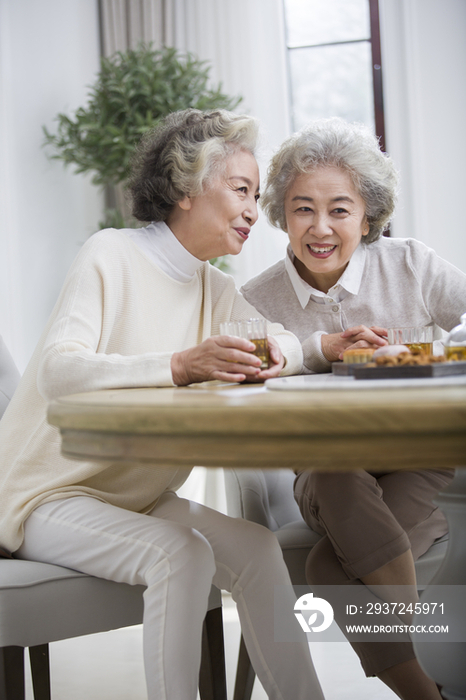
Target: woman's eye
{"points": [[243, 189], [339, 210], [305, 209], [256, 197]]}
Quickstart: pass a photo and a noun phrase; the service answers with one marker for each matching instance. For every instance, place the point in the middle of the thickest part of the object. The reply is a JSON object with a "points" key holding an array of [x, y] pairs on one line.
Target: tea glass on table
{"points": [[455, 343], [417, 338], [255, 330]]}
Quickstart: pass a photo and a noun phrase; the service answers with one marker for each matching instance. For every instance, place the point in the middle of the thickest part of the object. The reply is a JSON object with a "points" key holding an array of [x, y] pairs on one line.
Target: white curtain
{"points": [[124, 23], [424, 64]]}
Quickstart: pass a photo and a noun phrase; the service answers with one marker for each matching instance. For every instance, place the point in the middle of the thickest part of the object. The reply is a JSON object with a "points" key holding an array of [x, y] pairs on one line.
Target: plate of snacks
{"points": [[401, 362]]}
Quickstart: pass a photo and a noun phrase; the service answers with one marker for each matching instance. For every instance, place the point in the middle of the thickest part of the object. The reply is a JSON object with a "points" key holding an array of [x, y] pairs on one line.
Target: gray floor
{"points": [[109, 667]]}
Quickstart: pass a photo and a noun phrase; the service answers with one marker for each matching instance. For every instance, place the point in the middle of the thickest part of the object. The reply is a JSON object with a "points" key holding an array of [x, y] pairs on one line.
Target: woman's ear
{"points": [[185, 203]]}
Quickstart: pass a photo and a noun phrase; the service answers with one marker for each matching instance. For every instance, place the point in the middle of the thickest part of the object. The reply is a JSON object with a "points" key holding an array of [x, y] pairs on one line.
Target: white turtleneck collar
{"points": [[161, 245]]}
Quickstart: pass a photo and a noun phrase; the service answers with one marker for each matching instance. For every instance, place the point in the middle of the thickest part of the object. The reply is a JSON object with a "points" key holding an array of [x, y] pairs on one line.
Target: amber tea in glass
{"points": [[416, 338], [455, 343], [261, 351], [255, 330], [455, 354], [424, 348]]}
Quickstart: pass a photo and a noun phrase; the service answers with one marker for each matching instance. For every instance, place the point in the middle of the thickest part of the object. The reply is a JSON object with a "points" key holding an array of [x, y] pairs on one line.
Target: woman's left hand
{"points": [[277, 362], [364, 337], [334, 344]]}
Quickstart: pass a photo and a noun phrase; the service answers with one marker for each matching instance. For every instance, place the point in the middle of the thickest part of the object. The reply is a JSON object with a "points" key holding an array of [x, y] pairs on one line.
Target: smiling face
{"points": [[325, 221], [219, 221]]}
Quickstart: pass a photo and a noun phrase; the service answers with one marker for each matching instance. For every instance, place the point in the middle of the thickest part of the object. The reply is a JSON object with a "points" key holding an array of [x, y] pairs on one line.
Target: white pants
{"points": [[178, 550]]}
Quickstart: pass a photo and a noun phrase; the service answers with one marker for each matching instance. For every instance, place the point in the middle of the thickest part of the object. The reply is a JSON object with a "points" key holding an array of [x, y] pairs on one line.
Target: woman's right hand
{"points": [[223, 357], [334, 344]]}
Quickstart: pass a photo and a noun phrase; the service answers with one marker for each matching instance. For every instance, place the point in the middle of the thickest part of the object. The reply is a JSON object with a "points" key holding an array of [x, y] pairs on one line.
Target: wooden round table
{"points": [[227, 425], [386, 428]]}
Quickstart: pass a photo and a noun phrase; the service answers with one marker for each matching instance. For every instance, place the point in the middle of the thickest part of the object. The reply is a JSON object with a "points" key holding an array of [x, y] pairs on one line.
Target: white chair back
{"points": [[9, 377]]}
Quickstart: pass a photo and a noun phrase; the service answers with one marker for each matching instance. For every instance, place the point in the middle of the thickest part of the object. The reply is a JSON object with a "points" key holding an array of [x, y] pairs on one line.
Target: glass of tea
{"points": [[455, 343], [255, 330], [420, 338]]}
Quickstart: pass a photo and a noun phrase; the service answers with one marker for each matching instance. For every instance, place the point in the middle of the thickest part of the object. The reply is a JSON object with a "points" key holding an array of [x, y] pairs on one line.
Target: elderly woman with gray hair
{"points": [[143, 307], [341, 286]]}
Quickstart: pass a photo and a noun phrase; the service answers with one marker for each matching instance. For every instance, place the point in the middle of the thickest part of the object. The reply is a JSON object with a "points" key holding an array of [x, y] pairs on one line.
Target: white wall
{"points": [[424, 64], [48, 54]]}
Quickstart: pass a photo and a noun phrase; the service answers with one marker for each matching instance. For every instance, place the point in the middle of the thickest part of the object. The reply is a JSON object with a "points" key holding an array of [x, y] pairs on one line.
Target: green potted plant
{"points": [[133, 91]]}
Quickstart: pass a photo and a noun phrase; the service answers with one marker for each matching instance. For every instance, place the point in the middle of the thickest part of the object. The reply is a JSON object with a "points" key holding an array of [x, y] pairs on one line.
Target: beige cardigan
{"points": [[116, 324]]}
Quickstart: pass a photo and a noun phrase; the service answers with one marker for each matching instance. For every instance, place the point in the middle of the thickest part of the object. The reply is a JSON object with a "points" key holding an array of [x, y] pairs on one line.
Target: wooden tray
{"points": [[436, 369]]}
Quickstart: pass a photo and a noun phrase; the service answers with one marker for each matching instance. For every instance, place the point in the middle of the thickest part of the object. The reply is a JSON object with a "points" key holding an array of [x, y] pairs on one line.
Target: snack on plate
{"points": [[389, 350], [406, 358], [357, 356]]}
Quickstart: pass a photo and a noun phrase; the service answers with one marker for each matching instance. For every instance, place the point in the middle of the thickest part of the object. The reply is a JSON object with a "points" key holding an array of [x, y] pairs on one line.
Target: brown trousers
{"points": [[367, 520]]}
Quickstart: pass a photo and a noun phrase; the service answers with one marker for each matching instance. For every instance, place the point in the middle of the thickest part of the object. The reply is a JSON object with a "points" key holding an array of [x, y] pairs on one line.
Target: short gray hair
{"points": [[182, 155], [334, 142]]}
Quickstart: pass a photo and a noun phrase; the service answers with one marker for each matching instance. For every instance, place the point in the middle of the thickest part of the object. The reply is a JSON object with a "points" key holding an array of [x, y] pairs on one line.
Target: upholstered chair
{"points": [[42, 603]]}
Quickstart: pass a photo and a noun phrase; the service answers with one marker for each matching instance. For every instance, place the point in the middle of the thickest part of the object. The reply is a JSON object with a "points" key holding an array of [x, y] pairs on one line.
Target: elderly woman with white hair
{"points": [[143, 307], [341, 286]]}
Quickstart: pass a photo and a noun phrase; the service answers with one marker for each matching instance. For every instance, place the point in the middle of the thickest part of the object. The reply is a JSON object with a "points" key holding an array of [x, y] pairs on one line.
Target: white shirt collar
{"points": [[349, 282], [161, 245]]}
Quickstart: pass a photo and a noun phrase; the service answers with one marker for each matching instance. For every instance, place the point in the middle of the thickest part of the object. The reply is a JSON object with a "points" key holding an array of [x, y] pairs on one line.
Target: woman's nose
{"points": [[251, 213], [320, 225]]}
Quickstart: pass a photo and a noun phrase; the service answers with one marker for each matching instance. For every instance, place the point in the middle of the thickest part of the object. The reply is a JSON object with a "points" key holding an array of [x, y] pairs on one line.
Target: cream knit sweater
{"points": [[116, 324]]}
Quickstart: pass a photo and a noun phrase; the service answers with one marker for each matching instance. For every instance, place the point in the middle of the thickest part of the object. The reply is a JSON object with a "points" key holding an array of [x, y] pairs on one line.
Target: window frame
{"points": [[377, 80], [376, 56]]}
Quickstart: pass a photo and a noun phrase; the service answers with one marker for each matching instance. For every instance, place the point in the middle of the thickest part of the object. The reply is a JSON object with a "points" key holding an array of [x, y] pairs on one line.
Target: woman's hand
{"points": [[223, 357], [334, 344]]}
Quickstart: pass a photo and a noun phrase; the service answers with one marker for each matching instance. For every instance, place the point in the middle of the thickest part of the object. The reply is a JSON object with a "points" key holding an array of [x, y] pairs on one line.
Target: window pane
{"points": [[322, 21], [332, 81]]}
